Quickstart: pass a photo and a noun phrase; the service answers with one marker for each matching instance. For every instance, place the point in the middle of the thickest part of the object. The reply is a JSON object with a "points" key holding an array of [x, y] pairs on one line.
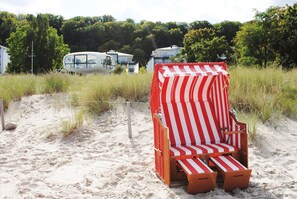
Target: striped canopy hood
{"points": [[185, 93]]}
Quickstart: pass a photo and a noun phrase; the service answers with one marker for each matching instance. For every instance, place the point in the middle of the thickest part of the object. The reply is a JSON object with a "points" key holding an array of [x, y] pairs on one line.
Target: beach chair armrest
{"points": [[233, 132]]}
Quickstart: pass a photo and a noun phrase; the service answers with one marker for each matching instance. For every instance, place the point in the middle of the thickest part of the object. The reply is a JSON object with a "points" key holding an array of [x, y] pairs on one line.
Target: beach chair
{"points": [[193, 126]]}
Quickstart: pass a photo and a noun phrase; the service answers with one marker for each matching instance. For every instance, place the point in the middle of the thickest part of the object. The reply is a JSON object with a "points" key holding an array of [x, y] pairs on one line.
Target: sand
{"points": [[100, 161]]}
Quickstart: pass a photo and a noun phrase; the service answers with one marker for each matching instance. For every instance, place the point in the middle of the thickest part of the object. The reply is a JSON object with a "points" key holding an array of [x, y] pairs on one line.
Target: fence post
{"points": [[2, 114], [129, 119]]}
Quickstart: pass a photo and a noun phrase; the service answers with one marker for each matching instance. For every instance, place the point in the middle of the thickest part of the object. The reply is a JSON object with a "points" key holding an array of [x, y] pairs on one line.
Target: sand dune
{"points": [[100, 161]]}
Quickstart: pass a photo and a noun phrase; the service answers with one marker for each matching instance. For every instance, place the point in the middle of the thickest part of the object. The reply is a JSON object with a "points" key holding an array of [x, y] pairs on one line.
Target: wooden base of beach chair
{"points": [[200, 177], [235, 175]]}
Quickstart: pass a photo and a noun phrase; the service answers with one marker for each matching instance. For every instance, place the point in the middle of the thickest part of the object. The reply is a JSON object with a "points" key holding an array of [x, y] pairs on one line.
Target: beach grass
{"points": [[267, 93], [14, 87]]}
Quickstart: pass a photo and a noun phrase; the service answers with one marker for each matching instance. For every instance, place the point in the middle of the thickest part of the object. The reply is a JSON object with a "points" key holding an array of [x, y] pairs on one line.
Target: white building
{"points": [[124, 59], [4, 59], [162, 55]]}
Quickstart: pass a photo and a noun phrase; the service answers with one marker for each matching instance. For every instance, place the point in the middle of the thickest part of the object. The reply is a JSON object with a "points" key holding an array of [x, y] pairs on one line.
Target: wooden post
{"points": [[129, 119], [2, 114]]}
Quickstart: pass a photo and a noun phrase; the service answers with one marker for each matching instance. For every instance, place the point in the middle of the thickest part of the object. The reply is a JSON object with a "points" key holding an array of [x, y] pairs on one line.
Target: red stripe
{"points": [[181, 151], [203, 166], [223, 164], [176, 112], [196, 116], [190, 167], [186, 113], [235, 163], [166, 112]]}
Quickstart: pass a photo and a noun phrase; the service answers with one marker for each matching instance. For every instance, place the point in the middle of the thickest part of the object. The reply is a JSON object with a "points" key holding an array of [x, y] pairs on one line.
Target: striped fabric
{"points": [[227, 163], [234, 139], [202, 149], [194, 166], [194, 103]]}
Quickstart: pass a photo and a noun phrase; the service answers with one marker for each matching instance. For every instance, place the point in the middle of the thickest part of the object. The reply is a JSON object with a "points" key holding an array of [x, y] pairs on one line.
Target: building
{"points": [[162, 55], [125, 60], [4, 59]]}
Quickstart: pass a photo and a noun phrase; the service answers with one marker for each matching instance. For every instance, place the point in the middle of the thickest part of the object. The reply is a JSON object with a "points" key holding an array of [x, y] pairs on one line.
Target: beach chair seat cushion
{"points": [[200, 177], [235, 175], [201, 149]]}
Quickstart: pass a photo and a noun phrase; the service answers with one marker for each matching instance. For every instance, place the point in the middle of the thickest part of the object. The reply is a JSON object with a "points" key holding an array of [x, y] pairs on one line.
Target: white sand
{"points": [[100, 161]]}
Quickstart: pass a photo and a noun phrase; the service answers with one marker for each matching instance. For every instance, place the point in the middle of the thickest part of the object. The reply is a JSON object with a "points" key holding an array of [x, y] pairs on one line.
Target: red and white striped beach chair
{"points": [[190, 110]]}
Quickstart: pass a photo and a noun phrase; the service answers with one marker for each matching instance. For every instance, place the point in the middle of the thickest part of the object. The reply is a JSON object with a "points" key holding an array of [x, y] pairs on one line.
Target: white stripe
{"points": [[223, 102], [181, 114], [166, 72], [235, 161], [217, 147], [220, 69], [208, 69], [187, 89], [193, 123], [196, 167], [230, 148], [212, 122], [185, 167], [219, 164], [230, 164], [205, 88], [175, 151], [171, 112], [217, 99], [209, 150], [177, 70], [198, 151], [188, 70], [161, 78], [198, 69], [202, 122], [208, 110], [187, 151]]}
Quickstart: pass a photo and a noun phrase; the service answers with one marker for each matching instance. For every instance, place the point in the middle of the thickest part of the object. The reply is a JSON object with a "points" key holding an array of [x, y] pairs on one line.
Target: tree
{"points": [[227, 29], [251, 45], [48, 46], [200, 24], [288, 38], [8, 24], [204, 45]]}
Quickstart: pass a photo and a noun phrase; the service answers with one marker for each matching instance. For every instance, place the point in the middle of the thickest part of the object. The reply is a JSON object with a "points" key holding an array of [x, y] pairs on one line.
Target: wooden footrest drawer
{"points": [[200, 177], [235, 174]]}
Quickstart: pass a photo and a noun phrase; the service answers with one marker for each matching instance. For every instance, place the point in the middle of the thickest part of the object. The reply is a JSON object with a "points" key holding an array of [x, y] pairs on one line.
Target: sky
{"points": [[213, 11]]}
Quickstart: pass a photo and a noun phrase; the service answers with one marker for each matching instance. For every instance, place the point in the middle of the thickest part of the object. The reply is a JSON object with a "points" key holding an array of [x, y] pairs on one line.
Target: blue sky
{"points": [[188, 11]]}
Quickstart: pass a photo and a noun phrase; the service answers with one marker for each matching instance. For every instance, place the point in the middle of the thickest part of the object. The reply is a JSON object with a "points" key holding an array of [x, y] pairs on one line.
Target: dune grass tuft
{"points": [[55, 82], [70, 126]]}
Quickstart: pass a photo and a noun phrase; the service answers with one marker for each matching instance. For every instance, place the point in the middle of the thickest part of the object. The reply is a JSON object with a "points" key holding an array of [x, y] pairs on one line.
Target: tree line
{"points": [[269, 38]]}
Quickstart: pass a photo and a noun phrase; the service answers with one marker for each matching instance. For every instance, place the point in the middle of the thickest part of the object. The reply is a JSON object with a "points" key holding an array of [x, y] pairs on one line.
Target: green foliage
{"points": [[203, 45], [227, 29], [49, 48], [118, 70], [8, 24], [270, 37]]}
